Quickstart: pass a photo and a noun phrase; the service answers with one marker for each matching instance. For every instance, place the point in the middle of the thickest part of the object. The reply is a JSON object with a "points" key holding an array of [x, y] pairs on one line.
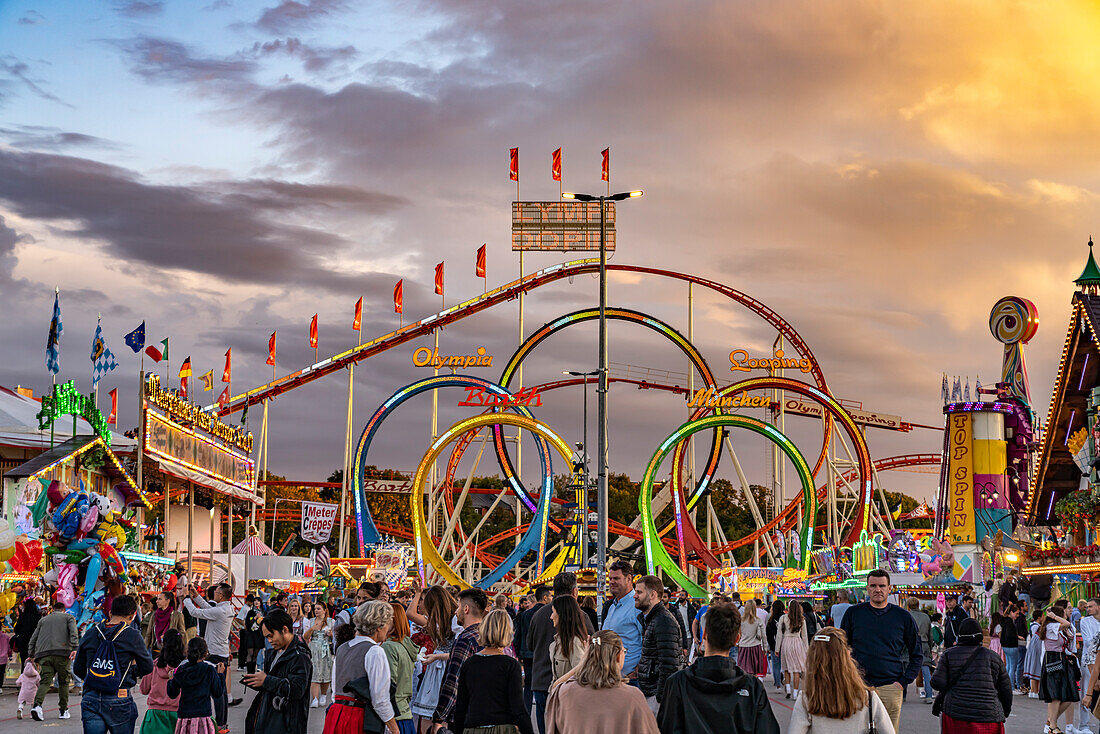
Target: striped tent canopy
{"points": [[253, 546]]}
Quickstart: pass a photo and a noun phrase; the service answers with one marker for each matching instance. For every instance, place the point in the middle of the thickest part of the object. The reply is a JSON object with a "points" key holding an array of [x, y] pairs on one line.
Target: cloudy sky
{"points": [[878, 173]]}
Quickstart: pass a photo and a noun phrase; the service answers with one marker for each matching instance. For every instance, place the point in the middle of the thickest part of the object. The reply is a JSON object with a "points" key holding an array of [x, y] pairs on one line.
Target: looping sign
{"points": [[317, 521]]}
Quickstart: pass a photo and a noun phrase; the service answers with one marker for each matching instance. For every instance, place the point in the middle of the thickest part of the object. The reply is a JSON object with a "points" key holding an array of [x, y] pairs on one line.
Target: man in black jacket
{"points": [[952, 618], [662, 654], [713, 695], [281, 705], [523, 641]]}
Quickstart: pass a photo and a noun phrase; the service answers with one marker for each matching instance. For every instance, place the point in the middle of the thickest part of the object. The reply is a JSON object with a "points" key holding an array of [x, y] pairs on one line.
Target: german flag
{"points": [[185, 368]]}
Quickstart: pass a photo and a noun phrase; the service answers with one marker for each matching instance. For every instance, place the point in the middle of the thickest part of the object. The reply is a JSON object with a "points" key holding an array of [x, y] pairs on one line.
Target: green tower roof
{"points": [[1091, 274]]}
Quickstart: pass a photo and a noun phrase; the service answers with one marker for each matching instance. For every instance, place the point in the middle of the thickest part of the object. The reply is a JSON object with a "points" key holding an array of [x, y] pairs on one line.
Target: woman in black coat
{"points": [[24, 628], [976, 684]]}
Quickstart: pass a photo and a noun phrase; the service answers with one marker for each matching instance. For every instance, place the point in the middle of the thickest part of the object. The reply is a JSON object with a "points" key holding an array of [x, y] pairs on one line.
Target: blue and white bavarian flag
{"points": [[53, 341], [102, 359]]}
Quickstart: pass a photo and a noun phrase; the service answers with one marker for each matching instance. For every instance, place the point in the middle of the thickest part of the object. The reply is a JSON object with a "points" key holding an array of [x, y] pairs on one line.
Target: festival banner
{"points": [[479, 262], [317, 521], [960, 473], [313, 332], [271, 349], [439, 279], [357, 321], [513, 164], [399, 296], [555, 165], [605, 174]]}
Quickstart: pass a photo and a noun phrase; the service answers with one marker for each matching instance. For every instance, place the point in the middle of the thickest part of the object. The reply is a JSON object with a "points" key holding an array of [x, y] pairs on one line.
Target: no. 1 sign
{"points": [[317, 521]]}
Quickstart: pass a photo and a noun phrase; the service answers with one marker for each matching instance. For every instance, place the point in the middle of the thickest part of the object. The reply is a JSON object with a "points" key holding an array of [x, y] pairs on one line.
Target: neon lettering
{"points": [[424, 357], [741, 362]]}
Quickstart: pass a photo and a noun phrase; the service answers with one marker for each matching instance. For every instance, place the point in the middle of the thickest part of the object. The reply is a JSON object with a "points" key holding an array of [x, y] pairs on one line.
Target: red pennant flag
{"points": [[606, 174], [223, 399], [183, 388], [479, 267], [112, 419], [513, 164], [555, 165], [357, 322], [271, 349], [313, 332], [227, 373], [398, 296], [439, 279]]}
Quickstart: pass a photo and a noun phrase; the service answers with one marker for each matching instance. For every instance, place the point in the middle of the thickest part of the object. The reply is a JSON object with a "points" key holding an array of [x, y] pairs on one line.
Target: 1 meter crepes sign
{"points": [[317, 521]]}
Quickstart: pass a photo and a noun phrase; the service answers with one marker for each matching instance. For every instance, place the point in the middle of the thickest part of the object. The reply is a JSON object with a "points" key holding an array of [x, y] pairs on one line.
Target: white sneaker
{"points": [[921, 693], [324, 702], [36, 714], [313, 704], [19, 712], [1084, 730], [1032, 694], [65, 714]]}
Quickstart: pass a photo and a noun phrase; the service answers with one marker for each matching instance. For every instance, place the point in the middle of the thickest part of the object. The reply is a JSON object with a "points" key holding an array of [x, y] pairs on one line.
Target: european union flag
{"points": [[136, 338]]}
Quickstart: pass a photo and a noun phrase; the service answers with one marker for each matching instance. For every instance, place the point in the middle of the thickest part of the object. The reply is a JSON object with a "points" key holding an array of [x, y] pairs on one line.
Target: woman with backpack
{"points": [[975, 690], [196, 682], [161, 716]]}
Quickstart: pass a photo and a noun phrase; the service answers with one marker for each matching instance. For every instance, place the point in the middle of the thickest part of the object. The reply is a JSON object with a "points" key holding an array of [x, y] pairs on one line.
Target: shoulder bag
{"points": [[871, 713], [941, 696]]}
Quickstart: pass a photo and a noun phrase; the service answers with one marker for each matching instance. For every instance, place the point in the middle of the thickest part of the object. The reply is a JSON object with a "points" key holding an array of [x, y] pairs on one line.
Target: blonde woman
{"points": [[294, 609], [490, 684], [750, 647], [593, 698], [835, 699]]}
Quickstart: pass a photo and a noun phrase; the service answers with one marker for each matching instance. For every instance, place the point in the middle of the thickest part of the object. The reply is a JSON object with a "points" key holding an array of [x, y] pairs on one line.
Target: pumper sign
{"points": [[317, 521]]}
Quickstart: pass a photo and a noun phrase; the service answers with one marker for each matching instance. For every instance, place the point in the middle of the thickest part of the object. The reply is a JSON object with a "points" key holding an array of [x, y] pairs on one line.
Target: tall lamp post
{"points": [[582, 537], [601, 394]]}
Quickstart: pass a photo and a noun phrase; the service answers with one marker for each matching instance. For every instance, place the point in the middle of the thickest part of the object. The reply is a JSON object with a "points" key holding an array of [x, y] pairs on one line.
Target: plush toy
{"points": [[66, 584], [68, 515]]}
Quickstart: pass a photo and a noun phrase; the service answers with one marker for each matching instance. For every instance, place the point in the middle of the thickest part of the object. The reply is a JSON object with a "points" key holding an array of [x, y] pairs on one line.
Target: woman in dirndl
{"points": [[1033, 658], [362, 656], [1060, 676], [319, 638], [750, 646]]}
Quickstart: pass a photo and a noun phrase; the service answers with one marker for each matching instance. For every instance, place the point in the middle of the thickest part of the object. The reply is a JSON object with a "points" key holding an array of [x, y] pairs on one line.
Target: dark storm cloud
{"points": [[40, 137], [225, 230], [165, 60], [314, 58], [290, 15], [139, 8]]}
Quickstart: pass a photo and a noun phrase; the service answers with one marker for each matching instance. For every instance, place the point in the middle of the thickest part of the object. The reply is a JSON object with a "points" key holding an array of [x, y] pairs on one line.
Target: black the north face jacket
{"points": [[662, 654], [714, 696]]}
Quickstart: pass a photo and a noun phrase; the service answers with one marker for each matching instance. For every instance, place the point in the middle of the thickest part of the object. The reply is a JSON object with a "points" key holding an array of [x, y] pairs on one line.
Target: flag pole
{"points": [[342, 547], [435, 393]]}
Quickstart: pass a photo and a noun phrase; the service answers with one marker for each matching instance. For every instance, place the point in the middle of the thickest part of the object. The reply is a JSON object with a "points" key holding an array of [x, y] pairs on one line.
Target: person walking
{"points": [[196, 682], [1059, 677], [110, 659], [621, 616], [1010, 645], [771, 633], [750, 644], [490, 689], [1033, 658], [401, 653], [219, 624], [163, 709], [662, 653], [596, 699], [28, 686], [53, 646], [164, 618], [472, 604], [974, 685], [885, 643], [358, 658], [713, 695], [1090, 638], [251, 635], [835, 699], [953, 616], [542, 632], [539, 599], [281, 704], [793, 642], [26, 622], [924, 632], [571, 637], [319, 638], [836, 611]]}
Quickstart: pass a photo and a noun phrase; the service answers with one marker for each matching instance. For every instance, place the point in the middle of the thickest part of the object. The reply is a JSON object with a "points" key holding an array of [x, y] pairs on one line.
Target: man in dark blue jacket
{"points": [[114, 710], [885, 643]]}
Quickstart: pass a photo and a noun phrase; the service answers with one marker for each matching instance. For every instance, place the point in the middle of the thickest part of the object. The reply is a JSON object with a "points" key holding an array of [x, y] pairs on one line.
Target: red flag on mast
{"points": [[112, 419], [357, 322], [223, 398], [513, 164], [313, 332], [606, 171], [271, 349], [555, 165], [227, 373], [398, 296], [439, 279], [479, 265]]}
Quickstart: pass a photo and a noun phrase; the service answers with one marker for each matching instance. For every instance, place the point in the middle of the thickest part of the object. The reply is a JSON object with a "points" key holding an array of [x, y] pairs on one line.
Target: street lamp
{"points": [[601, 393], [582, 539]]}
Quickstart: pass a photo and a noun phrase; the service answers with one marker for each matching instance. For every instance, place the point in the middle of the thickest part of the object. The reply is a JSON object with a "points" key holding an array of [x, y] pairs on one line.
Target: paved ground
{"points": [[916, 717]]}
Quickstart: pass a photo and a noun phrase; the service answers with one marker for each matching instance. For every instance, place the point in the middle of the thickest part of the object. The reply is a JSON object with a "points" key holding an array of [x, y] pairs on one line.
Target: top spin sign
{"points": [[561, 226]]}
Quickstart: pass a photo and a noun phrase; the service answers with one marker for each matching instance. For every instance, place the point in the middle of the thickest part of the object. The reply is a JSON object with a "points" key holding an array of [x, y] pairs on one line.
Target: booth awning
{"points": [[253, 546]]}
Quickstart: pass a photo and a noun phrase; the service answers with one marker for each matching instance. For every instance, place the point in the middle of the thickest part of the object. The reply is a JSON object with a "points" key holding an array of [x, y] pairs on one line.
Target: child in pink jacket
{"points": [[160, 718], [28, 686]]}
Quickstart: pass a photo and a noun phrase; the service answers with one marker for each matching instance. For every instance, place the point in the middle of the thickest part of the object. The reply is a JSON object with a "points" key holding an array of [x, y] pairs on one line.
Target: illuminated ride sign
{"points": [[66, 400], [173, 442], [740, 361], [185, 412], [477, 397], [424, 357], [862, 417], [709, 398], [561, 226], [867, 553]]}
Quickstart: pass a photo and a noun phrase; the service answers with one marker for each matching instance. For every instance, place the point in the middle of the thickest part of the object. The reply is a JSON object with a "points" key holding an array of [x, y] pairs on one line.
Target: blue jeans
{"points": [[1014, 659], [540, 709], [405, 726], [777, 668], [221, 705], [528, 699], [101, 713], [926, 673]]}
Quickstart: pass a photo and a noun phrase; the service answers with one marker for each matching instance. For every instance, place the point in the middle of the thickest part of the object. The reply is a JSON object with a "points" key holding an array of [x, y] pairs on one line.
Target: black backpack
{"points": [[104, 675]]}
